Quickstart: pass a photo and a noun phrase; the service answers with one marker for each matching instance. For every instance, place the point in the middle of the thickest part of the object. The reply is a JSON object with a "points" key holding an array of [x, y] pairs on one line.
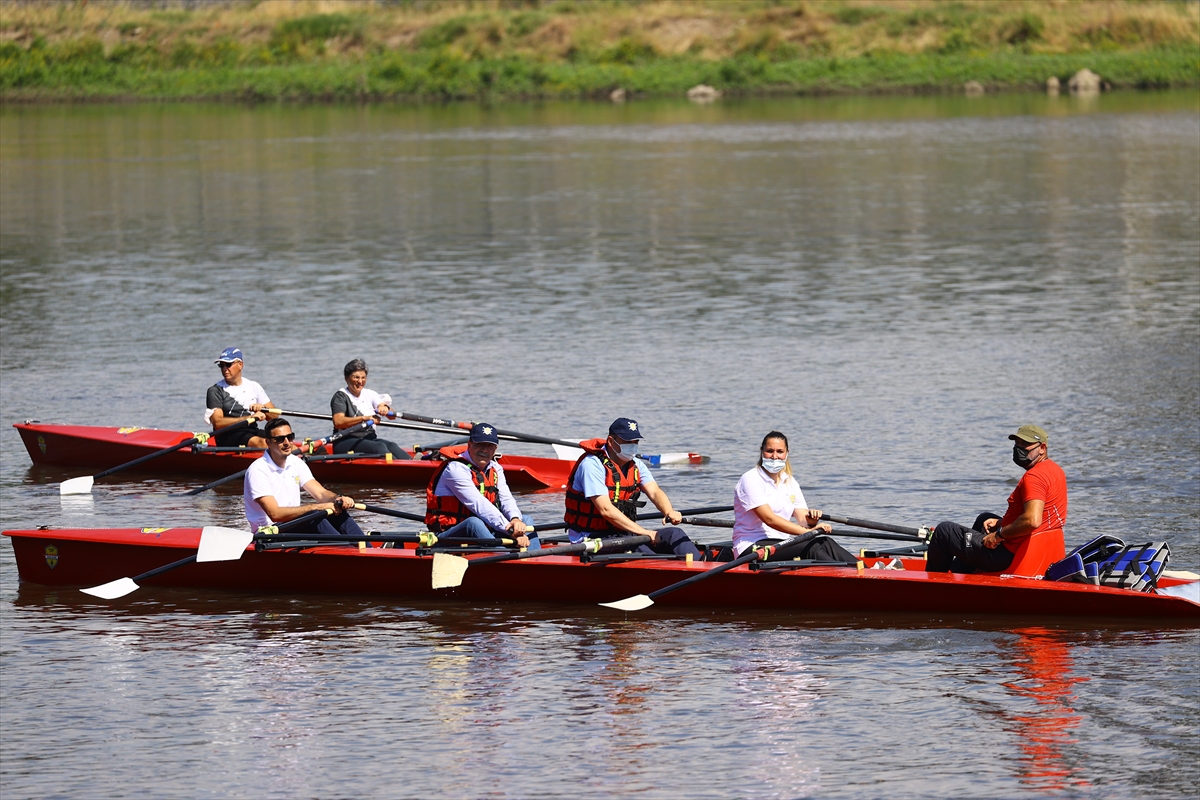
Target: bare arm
{"points": [[776, 522], [1029, 521]]}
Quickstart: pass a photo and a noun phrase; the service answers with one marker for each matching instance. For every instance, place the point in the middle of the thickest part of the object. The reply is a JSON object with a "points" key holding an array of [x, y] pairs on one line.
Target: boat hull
{"points": [[86, 557], [93, 447]]}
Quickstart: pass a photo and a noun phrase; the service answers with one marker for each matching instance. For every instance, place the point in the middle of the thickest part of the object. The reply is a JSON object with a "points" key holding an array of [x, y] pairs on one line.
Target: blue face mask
{"points": [[774, 465]]}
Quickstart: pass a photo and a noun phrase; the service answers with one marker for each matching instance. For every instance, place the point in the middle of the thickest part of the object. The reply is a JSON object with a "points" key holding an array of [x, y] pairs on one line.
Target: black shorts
{"points": [[239, 437]]}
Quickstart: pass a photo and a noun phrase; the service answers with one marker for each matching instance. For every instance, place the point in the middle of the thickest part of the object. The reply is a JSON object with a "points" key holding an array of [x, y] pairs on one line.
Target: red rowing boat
{"points": [[85, 557], [79, 446]]}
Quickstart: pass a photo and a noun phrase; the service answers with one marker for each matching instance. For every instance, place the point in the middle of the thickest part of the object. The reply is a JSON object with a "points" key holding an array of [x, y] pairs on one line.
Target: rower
{"points": [[354, 404], [469, 495], [603, 491], [273, 483], [234, 399], [768, 506], [1037, 510]]}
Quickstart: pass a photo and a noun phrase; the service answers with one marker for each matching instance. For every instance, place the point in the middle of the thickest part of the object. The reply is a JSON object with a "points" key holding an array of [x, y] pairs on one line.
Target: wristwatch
{"points": [[997, 534]]}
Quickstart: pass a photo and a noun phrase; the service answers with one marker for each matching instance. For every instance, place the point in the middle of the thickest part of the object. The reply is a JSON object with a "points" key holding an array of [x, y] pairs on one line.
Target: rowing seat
{"points": [[1036, 554]]}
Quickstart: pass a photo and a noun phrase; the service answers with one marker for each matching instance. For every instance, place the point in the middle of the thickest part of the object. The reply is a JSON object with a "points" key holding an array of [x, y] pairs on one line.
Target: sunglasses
{"points": [[287, 437], [225, 364]]}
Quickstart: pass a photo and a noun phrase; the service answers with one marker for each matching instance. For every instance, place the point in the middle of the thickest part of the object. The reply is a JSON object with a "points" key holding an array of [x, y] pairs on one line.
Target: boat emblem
{"points": [[154, 530], [51, 556], [128, 430], [42, 443]]}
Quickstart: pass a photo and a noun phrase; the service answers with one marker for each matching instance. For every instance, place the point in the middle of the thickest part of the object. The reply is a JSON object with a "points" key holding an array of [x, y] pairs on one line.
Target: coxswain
{"points": [[234, 399], [603, 491], [768, 506], [468, 496], [273, 483], [1037, 508], [354, 404]]}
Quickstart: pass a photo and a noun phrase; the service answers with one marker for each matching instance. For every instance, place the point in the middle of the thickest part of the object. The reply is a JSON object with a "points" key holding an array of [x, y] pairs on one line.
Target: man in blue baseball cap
{"points": [[469, 496], [234, 399], [603, 491]]}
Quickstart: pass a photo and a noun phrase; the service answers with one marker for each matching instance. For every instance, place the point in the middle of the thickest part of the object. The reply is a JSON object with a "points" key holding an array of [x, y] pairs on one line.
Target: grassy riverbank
{"points": [[510, 49]]}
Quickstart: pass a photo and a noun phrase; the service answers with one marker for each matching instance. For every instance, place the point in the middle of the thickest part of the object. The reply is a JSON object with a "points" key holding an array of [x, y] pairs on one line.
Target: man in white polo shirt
{"points": [[273, 484]]}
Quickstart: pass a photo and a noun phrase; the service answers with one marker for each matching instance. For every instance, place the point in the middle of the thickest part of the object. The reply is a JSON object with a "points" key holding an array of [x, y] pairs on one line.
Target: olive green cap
{"points": [[1031, 433]]}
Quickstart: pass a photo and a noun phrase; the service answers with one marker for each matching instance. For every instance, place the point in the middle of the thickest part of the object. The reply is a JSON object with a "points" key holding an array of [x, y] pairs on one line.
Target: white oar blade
{"points": [[635, 603], [113, 589], [222, 544], [565, 453], [448, 570], [77, 485]]}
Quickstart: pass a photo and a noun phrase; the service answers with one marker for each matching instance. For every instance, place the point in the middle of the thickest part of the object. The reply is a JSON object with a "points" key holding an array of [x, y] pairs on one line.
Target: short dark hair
{"points": [[353, 366], [278, 422]]}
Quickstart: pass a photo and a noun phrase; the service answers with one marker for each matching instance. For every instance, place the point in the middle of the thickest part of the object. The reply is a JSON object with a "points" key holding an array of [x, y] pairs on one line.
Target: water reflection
{"points": [[1044, 724]]}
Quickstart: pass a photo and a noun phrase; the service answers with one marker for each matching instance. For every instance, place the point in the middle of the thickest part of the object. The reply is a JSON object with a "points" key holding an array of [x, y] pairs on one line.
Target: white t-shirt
{"points": [[265, 477], [758, 488]]}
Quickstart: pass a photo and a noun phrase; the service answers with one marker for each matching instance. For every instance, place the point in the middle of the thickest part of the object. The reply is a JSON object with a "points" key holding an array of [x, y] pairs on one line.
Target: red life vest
{"points": [[624, 487], [445, 511]]}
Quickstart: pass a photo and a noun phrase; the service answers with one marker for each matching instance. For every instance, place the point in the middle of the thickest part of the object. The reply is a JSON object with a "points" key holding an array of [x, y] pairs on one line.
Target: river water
{"points": [[896, 283]]}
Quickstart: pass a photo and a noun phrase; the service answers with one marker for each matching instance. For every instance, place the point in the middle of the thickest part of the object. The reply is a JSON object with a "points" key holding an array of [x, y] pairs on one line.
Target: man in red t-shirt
{"points": [[1037, 507]]}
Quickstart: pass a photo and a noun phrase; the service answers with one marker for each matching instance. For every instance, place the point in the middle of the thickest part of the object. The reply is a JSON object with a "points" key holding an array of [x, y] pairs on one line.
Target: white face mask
{"points": [[629, 449], [774, 465]]}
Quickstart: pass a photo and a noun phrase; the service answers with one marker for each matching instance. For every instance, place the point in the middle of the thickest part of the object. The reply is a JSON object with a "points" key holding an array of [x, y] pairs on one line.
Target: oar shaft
{"points": [[391, 512], [214, 484], [866, 523], [728, 523], [183, 562], [558, 526], [588, 545], [503, 434]]}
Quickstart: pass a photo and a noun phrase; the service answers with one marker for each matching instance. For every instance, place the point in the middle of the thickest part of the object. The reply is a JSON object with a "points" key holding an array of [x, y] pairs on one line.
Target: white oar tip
{"points": [[113, 589], [448, 570], [635, 603], [76, 485], [222, 544]]}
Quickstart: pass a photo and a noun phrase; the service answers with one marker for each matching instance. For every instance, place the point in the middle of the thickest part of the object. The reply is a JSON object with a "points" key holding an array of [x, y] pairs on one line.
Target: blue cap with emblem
{"points": [[626, 429], [483, 432], [230, 355]]}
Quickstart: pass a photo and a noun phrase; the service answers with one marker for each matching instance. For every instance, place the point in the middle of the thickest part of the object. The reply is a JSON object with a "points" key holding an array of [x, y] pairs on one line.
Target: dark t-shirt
{"points": [[340, 404]]}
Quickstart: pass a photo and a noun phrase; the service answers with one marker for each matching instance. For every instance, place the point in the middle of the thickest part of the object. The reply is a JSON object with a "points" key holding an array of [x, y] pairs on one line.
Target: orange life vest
{"points": [[624, 488], [445, 511]]}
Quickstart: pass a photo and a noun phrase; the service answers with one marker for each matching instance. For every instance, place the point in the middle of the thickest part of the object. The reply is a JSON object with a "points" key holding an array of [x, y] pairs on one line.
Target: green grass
{"points": [[84, 71]]}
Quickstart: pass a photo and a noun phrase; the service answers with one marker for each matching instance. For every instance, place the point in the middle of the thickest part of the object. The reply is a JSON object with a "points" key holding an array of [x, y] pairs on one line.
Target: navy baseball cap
{"points": [[230, 355], [483, 432], [626, 429]]}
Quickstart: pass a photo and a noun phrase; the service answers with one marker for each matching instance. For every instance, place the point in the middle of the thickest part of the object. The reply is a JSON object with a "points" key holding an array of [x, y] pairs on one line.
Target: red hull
{"points": [[87, 557], [83, 446]]}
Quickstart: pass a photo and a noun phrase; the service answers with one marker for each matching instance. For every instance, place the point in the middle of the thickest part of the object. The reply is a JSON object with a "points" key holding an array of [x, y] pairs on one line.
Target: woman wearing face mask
{"points": [[768, 507]]}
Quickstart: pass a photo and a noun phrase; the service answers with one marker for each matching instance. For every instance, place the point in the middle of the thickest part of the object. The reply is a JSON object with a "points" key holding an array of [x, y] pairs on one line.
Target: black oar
{"points": [[84, 485], [640, 601], [448, 570], [728, 523], [558, 526], [408, 426], [310, 445], [216, 544], [503, 434], [922, 533], [424, 539], [391, 512]]}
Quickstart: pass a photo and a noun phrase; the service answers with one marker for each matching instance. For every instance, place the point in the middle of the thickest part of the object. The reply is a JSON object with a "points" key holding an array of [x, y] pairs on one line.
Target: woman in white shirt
{"points": [[356, 403], [769, 507]]}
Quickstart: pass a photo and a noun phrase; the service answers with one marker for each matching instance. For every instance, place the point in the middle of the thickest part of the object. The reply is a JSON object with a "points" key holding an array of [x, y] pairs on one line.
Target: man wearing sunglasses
{"points": [[1036, 508], [273, 484], [233, 399]]}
